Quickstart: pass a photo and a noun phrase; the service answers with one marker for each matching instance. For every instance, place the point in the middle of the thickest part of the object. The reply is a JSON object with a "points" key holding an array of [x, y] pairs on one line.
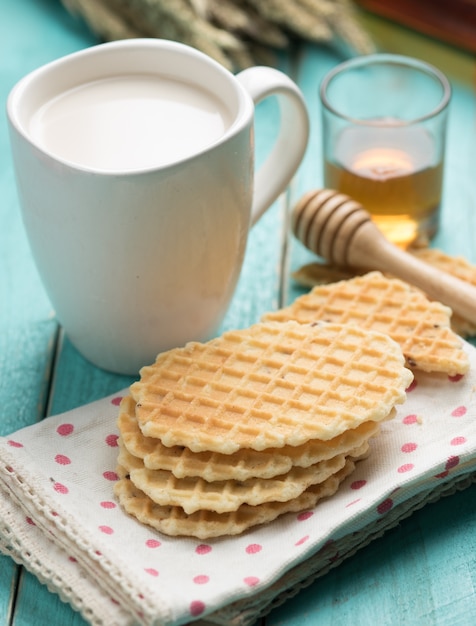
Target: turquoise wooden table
{"points": [[421, 573]]}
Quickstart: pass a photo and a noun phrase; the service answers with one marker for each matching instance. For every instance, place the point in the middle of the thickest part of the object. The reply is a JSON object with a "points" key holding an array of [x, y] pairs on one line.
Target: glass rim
{"points": [[389, 59]]}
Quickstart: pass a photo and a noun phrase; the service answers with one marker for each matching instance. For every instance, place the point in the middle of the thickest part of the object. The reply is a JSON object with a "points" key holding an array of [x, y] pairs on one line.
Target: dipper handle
{"points": [[340, 230]]}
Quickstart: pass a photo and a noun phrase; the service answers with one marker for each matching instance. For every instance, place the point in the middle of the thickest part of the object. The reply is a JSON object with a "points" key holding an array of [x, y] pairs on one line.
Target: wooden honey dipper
{"points": [[340, 230]]}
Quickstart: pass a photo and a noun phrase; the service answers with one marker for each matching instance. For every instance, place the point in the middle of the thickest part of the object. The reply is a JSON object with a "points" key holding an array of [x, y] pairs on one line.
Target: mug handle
{"points": [[288, 150]]}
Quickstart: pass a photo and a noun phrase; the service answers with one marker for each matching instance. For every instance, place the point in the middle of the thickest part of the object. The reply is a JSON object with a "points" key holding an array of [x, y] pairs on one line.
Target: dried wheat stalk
{"points": [[237, 33]]}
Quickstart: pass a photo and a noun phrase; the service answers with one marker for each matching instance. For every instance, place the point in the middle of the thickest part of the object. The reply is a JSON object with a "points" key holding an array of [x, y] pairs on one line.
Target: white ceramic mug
{"points": [[138, 256]]}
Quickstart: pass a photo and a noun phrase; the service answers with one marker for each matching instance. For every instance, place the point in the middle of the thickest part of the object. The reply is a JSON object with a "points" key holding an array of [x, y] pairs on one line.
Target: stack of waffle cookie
{"points": [[220, 436]]}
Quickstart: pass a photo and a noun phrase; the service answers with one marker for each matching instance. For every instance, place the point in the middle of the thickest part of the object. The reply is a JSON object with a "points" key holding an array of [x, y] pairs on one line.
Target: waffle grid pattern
{"points": [[272, 385], [243, 464], [193, 493], [203, 524]]}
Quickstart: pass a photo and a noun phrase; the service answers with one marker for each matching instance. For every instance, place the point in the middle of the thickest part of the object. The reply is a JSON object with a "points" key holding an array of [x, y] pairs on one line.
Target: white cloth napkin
{"points": [[59, 518]]}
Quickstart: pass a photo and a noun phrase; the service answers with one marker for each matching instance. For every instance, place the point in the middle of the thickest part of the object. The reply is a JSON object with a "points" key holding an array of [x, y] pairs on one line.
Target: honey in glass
{"points": [[383, 130], [392, 174]]}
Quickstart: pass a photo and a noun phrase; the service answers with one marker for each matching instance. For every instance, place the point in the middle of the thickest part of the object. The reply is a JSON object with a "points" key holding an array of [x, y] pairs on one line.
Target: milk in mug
{"points": [[129, 122]]}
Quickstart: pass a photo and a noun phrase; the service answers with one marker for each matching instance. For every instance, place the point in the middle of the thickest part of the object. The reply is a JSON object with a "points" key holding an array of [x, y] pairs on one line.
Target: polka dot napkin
{"points": [[58, 515]]}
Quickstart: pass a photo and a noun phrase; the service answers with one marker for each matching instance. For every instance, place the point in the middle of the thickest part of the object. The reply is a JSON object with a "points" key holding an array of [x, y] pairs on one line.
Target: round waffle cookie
{"points": [[241, 465], [314, 274], [203, 524], [223, 496], [271, 385], [389, 305]]}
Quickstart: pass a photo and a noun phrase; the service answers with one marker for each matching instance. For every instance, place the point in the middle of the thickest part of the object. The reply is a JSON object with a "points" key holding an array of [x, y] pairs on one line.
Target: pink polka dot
{"points": [[61, 459], [60, 488], [203, 548], [151, 571], [116, 401], [110, 475], [458, 441], [251, 581], [456, 378], [412, 386], [452, 461], [459, 411], [196, 608], [304, 516], [111, 440], [72, 559], [410, 419], [65, 429], [106, 504], [253, 548], [409, 447], [405, 468], [14, 444], [302, 540], [358, 484], [107, 530], [385, 506], [153, 543], [30, 521], [201, 579]]}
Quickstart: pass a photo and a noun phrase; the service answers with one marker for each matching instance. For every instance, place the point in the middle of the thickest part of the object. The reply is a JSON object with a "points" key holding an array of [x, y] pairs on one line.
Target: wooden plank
{"points": [[32, 33], [314, 63], [36, 606], [35, 33], [27, 327], [8, 580]]}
